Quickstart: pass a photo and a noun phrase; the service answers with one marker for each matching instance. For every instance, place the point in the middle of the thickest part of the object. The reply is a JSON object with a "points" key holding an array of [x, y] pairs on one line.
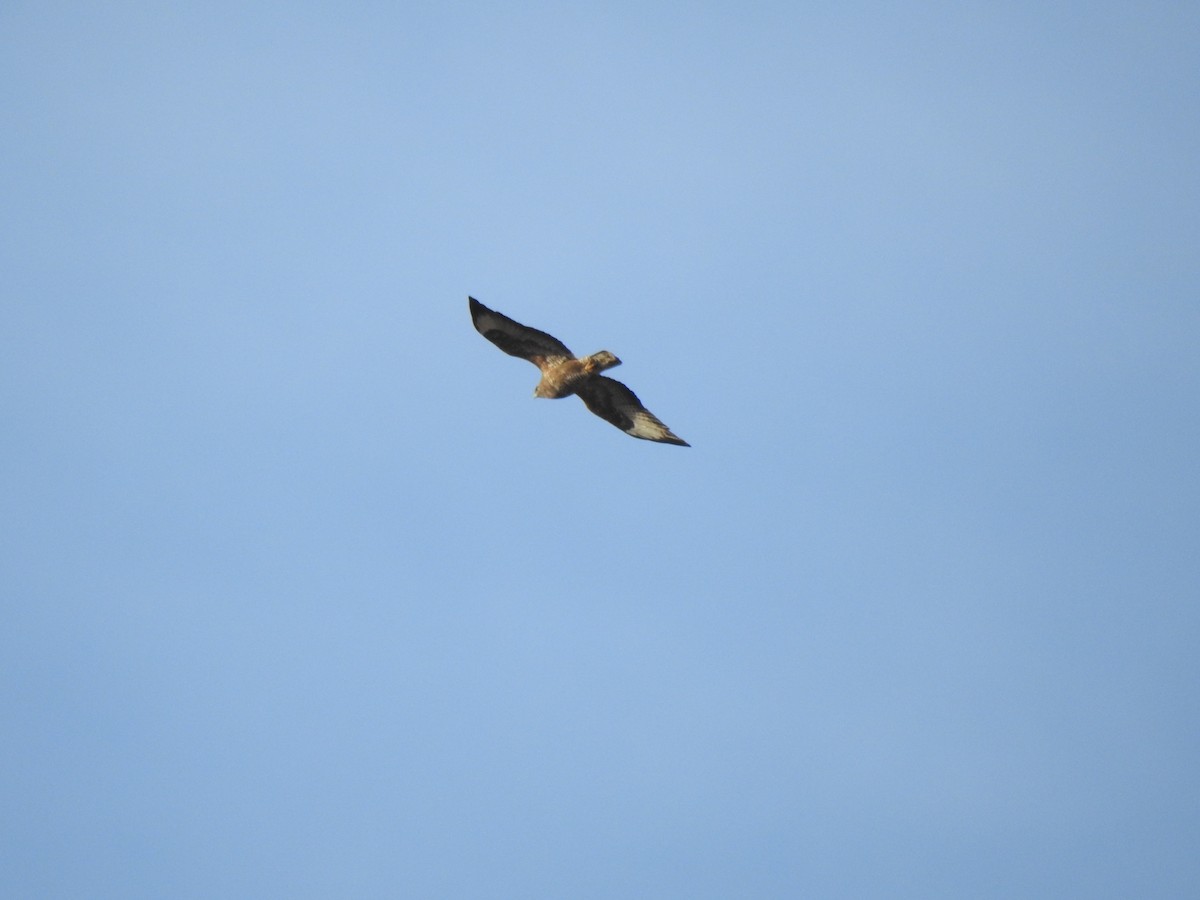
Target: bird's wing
{"points": [[615, 403], [516, 339]]}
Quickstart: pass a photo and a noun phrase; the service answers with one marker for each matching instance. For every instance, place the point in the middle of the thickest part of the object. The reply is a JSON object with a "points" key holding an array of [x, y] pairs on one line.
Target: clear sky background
{"points": [[304, 595]]}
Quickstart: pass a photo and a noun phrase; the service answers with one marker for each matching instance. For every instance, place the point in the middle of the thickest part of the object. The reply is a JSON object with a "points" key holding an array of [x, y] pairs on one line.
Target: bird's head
{"points": [[598, 362]]}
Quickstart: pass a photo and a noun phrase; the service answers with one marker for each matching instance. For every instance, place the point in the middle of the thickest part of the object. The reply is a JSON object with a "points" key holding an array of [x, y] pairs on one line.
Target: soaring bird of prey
{"points": [[564, 374]]}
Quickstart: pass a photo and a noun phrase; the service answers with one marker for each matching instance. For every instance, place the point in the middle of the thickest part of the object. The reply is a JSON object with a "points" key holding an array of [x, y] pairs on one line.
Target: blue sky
{"points": [[306, 596]]}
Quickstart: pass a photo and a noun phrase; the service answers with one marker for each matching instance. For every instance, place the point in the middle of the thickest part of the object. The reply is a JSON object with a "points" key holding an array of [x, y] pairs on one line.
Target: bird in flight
{"points": [[564, 374]]}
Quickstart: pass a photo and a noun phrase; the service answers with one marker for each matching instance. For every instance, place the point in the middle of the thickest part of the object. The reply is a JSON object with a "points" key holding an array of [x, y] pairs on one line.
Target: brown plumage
{"points": [[564, 374]]}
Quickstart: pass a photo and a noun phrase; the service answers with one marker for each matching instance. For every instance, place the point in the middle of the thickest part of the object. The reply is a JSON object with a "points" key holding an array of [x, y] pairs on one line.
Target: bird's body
{"points": [[564, 374], [562, 379]]}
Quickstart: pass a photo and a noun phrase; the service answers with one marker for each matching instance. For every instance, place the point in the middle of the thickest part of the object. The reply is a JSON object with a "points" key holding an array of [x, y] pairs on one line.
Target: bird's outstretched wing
{"points": [[516, 339], [615, 403]]}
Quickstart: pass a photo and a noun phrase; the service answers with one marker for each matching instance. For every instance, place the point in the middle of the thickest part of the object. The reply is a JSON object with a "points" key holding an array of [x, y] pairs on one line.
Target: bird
{"points": [[564, 374]]}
